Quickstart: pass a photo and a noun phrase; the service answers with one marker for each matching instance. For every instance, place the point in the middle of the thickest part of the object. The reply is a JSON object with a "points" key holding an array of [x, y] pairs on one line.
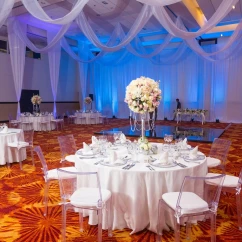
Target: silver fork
{"points": [[151, 168], [179, 164]]}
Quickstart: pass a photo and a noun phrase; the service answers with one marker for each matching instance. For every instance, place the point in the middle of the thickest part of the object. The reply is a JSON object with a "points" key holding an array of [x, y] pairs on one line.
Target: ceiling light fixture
{"points": [[233, 7]]}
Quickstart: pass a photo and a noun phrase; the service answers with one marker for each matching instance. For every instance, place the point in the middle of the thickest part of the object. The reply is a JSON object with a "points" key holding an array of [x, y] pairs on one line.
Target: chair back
{"points": [[219, 150], [198, 185], [67, 145], [29, 136], [40, 154], [79, 183]]}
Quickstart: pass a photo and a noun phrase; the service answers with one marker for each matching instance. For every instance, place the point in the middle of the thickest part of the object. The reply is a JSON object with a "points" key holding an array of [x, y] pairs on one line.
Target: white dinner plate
{"points": [[160, 165], [199, 157], [113, 164], [94, 152]]}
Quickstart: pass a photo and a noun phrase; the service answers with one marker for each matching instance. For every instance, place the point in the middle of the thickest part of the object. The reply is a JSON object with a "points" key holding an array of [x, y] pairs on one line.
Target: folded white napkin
{"points": [[94, 141], [163, 159], [193, 153], [4, 130], [86, 149], [122, 138], [184, 143], [113, 157]]}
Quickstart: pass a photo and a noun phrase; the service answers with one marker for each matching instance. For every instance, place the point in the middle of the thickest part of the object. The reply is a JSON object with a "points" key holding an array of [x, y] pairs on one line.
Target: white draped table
{"points": [[183, 113], [90, 118], [6, 154], [36, 122], [136, 192]]}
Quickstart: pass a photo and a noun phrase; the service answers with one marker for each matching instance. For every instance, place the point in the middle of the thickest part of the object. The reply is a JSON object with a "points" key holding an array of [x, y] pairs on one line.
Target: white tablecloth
{"points": [[180, 114], [6, 155], [36, 122], [88, 119], [136, 192]]}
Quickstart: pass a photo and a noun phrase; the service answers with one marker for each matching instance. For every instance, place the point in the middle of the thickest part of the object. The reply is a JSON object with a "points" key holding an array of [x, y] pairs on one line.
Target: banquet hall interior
{"points": [[105, 75]]}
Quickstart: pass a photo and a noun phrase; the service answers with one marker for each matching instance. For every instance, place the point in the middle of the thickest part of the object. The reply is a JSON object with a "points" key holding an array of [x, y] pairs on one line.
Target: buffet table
{"points": [[6, 155], [136, 192], [36, 121], [88, 118], [190, 113]]}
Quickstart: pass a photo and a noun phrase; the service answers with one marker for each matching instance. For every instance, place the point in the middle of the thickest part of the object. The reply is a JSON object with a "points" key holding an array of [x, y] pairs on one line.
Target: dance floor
{"points": [[21, 193], [200, 134]]}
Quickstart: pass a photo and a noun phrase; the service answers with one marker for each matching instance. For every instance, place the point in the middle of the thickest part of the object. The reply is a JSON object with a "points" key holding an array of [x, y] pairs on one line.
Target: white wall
{"points": [[37, 77]]}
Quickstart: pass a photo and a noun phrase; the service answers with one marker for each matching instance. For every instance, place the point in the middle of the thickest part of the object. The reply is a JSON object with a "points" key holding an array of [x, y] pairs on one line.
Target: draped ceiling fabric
{"points": [[17, 56], [118, 62]]}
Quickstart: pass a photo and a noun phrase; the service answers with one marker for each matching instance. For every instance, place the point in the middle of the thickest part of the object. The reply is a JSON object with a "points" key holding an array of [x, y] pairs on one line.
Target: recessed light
{"points": [[233, 7]]}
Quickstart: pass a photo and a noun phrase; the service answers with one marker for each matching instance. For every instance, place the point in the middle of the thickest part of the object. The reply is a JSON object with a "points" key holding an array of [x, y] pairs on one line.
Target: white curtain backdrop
{"points": [[17, 56], [54, 65], [198, 83]]}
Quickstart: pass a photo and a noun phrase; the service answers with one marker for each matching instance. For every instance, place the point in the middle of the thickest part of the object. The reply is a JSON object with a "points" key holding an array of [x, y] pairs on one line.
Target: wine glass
{"points": [[102, 141]]}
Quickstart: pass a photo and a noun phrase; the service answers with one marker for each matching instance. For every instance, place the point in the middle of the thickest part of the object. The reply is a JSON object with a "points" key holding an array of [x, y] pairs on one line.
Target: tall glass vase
{"points": [[143, 126]]}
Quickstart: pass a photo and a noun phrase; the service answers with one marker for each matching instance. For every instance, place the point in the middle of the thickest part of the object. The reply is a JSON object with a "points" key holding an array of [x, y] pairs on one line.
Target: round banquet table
{"points": [[136, 192], [6, 155], [90, 118], [36, 122]]}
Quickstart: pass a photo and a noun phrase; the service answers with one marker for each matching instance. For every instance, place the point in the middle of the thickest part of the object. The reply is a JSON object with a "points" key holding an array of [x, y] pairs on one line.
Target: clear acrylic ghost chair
{"points": [[26, 123], [192, 201], [13, 123], [71, 117], [20, 144], [59, 121], [81, 118], [218, 153], [67, 147], [232, 184], [44, 122], [48, 175], [83, 191]]}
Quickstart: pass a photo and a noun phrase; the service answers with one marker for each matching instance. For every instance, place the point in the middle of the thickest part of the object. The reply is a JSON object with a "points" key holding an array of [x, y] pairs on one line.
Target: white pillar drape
{"points": [[158, 2], [83, 69], [54, 65], [17, 56]]}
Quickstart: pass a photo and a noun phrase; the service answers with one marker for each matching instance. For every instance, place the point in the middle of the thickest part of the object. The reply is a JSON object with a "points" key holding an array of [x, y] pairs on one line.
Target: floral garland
{"points": [[143, 95], [88, 100], [191, 111], [36, 99], [144, 144]]}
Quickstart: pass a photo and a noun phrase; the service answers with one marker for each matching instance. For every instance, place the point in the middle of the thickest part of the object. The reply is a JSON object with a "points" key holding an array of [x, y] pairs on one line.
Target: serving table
{"points": [[191, 113], [6, 155], [136, 192]]}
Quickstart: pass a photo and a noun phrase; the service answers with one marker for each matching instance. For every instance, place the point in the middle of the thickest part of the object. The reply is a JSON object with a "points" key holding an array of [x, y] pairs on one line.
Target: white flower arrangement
{"points": [[88, 100], [144, 144], [143, 95], [36, 99]]}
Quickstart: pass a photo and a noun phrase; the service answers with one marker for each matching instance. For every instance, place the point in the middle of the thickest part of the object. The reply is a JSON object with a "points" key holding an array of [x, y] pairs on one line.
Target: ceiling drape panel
{"points": [[54, 65], [5, 9], [37, 11], [140, 21], [51, 45], [158, 2], [17, 56], [165, 20]]}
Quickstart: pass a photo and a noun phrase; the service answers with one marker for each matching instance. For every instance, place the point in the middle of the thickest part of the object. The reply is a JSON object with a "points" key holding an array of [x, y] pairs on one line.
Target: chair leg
{"points": [[46, 190], [213, 227], [19, 160], [110, 217], [81, 220], [177, 229], [188, 230], [63, 233], [159, 229], [99, 225], [238, 203], [32, 154]]}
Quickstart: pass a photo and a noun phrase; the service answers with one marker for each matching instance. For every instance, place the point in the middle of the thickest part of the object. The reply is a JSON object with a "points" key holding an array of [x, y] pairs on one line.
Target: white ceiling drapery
{"points": [[5, 9], [159, 2]]}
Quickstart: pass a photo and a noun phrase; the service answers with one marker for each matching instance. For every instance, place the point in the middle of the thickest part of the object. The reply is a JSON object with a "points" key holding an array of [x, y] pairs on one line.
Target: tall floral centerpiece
{"points": [[142, 95], [88, 101], [36, 101]]}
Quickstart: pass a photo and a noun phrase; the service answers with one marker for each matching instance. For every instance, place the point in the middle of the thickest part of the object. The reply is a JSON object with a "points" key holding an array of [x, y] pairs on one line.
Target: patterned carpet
{"points": [[21, 194]]}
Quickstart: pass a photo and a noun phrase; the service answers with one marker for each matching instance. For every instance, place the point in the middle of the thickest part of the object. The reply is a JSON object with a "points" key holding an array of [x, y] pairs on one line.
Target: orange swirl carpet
{"points": [[21, 194]]}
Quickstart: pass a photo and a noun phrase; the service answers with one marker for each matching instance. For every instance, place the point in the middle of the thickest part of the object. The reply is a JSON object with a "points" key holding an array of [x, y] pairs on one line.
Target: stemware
{"points": [[102, 141]]}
